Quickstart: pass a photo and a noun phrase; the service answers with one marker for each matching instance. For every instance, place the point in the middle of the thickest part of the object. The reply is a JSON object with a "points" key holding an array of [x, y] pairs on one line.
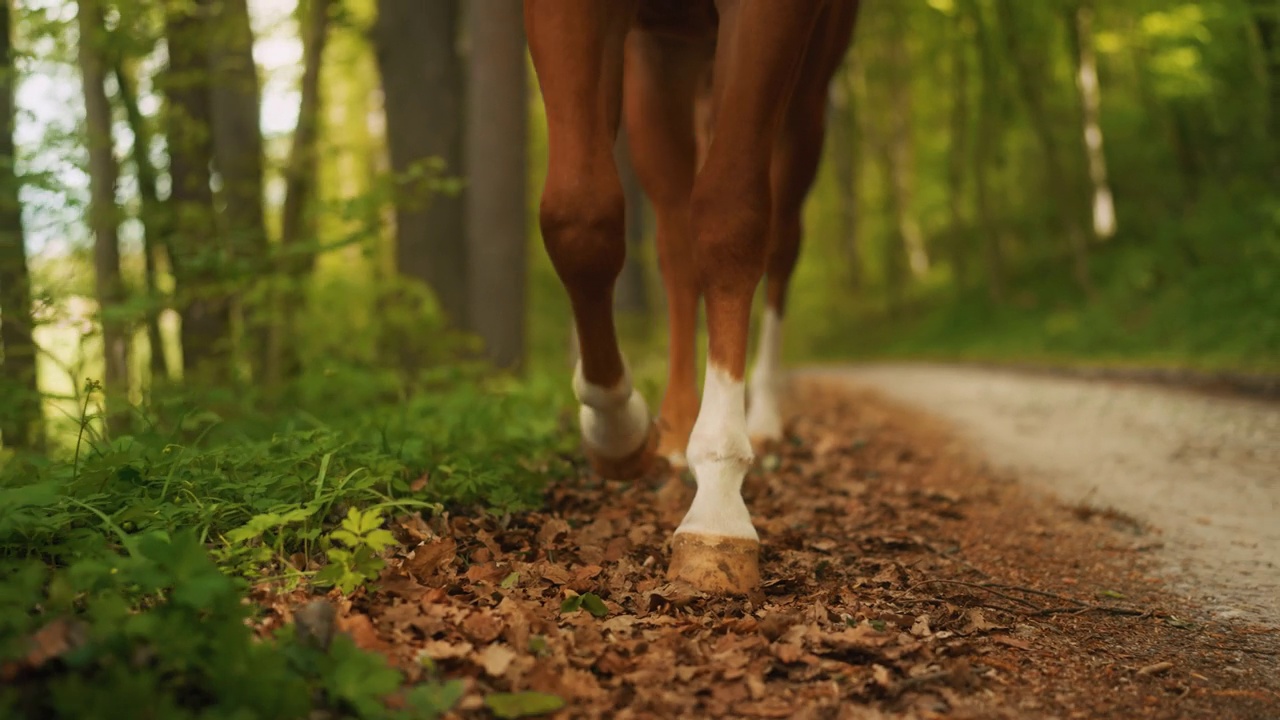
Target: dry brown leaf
{"points": [[430, 558], [495, 659]]}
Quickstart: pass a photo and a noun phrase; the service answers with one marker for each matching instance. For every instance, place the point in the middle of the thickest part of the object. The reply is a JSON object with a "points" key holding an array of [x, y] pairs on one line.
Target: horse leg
{"points": [[661, 79], [796, 155], [759, 53], [577, 50]]}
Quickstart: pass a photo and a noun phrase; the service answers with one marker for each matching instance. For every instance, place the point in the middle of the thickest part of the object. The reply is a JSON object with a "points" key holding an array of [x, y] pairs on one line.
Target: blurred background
{"points": [[311, 204]]}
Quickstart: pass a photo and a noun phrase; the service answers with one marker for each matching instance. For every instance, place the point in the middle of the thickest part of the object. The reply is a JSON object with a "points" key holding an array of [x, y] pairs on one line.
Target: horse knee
{"points": [[582, 219]]}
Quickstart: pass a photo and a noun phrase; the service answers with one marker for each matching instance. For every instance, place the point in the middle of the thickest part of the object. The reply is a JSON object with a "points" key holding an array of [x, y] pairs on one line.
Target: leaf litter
{"points": [[903, 579]]}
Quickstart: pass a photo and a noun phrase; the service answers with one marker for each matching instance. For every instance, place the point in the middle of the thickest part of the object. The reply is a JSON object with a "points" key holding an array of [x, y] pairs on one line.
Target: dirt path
{"points": [[903, 580], [1201, 474]]}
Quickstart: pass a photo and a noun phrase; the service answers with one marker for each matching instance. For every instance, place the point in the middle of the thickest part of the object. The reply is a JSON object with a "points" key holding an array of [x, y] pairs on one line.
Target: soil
{"points": [[904, 578]]}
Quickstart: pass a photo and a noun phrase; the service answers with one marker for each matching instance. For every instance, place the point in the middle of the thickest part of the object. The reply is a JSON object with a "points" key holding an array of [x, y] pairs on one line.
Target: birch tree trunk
{"points": [[1060, 192], [21, 423], [1103, 205], [496, 218], [103, 212]]}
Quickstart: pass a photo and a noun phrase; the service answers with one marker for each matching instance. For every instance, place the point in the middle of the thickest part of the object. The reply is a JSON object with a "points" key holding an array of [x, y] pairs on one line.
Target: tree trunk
{"points": [[958, 157], [196, 252], [1060, 191], [152, 214], [283, 361], [235, 109], [632, 292], [496, 219], [1103, 205], [985, 150], [103, 212], [422, 82], [21, 423], [846, 154]]}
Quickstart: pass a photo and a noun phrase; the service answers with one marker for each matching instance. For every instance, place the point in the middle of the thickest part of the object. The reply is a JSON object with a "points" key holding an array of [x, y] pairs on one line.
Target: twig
{"points": [[978, 586], [1078, 607], [1086, 609]]}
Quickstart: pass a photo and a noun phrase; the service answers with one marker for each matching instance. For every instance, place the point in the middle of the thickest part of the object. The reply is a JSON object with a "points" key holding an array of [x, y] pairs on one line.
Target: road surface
{"points": [[1201, 471]]}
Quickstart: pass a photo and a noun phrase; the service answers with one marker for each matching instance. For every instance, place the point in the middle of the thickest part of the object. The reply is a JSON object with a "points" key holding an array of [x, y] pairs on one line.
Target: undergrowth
{"points": [[1200, 290], [125, 561]]}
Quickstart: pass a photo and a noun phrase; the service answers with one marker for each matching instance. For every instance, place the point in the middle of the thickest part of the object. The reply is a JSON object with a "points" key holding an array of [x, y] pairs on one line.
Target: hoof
{"points": [[715, 563], [628, 467]]}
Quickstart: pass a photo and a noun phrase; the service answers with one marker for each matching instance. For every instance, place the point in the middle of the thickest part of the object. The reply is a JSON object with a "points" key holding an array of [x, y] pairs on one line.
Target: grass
{"points": [[142, 546]]}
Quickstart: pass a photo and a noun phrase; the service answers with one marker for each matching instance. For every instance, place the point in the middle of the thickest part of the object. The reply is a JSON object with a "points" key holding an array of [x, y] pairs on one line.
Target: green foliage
{"points": [[360, 560], [586, 601], [1175, 295], [163, 632]]}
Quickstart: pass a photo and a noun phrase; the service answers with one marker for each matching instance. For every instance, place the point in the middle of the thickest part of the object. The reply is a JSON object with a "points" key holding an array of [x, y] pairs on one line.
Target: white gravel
{"points": [[1202, 471]]}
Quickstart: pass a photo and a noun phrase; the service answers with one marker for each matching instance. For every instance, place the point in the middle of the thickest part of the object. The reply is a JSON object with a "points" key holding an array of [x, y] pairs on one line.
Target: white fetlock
{"points": [[617, 432]]}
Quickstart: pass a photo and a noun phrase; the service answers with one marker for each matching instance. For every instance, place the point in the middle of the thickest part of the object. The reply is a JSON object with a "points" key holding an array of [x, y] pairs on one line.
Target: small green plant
{"points": [[586, 601], [163, 629], [360, 560]]}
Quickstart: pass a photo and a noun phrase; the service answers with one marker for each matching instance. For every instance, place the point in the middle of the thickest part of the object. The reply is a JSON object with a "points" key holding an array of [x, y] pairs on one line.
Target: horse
{"points": [[724, 106]]}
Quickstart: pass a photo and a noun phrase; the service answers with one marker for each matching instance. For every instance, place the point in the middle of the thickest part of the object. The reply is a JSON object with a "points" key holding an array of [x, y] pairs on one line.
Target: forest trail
{"points": [[904, 578], [1199, 474]]}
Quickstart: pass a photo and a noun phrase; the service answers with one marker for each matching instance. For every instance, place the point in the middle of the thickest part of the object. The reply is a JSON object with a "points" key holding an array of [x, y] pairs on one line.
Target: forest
{"points": [[267, 265]]}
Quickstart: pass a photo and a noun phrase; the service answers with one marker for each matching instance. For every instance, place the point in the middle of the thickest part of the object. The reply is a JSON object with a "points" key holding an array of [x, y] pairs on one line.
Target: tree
{"points": [[496, 219], [898, 146], [1103, 207], [152, 214], [422, 82], [1060, 191], [20, 414], [196, 252], [234, 112], [103, 212], [299, 191]]}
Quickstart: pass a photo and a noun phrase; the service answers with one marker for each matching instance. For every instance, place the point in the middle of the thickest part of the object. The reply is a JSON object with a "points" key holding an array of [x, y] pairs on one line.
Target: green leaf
{"points": [[380, 540], [523, 704], [431, 700], [571, 604], [510, 581], [594, 605]]}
